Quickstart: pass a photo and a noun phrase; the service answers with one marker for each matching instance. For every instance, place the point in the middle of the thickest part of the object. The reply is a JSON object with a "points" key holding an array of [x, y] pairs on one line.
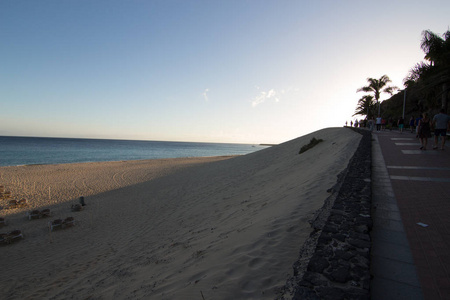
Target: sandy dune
{"points": [[190, 228]]}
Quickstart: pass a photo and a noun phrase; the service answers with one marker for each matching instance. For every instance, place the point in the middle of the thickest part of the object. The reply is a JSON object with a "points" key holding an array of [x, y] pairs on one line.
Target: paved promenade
{"points": [[411, 212]]}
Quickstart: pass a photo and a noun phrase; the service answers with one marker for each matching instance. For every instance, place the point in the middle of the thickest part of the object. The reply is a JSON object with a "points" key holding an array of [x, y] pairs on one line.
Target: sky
{"points": [[231, 71]]}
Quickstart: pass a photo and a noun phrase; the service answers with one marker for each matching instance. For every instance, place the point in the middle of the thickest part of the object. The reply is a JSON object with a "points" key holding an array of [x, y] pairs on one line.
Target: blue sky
{"points": [[248, 71]]}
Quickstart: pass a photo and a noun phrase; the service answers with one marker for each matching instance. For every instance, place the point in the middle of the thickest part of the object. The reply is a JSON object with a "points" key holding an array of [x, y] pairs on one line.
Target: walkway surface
{"points": [[411, 214]]}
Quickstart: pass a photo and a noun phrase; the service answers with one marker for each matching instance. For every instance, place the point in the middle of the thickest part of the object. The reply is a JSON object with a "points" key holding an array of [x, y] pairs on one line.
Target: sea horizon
{"points": [[125, 139], [23, 150]]}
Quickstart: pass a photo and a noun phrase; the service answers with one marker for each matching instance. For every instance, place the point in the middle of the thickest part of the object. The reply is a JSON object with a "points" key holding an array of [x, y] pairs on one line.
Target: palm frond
{"points": [[366, 89], [390, 90]]}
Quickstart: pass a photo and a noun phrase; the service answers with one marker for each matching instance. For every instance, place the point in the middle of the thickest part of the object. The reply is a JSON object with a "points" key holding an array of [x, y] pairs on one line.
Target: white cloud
{"points": [[205, 94], [263, 96], [258, 99]]}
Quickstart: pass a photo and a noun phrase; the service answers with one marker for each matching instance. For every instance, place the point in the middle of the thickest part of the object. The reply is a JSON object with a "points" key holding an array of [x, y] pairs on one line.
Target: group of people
{"points": [[423, 125], [361, 123], [440, 122]]}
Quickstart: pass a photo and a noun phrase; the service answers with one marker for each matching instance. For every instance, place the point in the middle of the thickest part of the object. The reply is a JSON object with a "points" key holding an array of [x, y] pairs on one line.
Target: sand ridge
{"points": [[216, 227]]}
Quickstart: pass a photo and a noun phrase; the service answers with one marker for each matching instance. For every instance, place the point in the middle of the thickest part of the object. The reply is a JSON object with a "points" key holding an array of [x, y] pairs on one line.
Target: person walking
{"points": [[411, 124], [378, 123], [391, 124], [441, 123], [400, 124], [424, 131], [370, 124], [417, 125]]}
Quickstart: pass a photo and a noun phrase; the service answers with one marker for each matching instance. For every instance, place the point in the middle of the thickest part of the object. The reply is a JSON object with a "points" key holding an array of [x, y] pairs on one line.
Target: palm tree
{"points": [[378, 86], [436, 48], [366, 106], [435, 75]]}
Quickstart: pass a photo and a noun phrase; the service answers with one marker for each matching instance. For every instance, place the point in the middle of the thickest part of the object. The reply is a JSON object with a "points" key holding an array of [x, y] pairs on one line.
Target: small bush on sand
{"points": [[311, 144]]}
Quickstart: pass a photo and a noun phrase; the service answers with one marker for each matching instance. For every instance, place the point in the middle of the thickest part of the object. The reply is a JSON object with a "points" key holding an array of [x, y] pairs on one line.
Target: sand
{"points": [[187, 228]]}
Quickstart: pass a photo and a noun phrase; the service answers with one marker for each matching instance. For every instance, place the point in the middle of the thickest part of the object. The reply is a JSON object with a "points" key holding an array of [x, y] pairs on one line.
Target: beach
{"points": [[227, 227]]}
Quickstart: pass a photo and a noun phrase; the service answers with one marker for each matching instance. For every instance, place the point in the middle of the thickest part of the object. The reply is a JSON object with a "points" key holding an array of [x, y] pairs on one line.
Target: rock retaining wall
{"points": [[339, 265]]}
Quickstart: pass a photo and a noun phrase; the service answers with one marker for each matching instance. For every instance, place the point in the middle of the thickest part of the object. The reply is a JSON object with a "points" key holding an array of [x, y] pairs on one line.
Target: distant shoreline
{"points": [[32, 151]]}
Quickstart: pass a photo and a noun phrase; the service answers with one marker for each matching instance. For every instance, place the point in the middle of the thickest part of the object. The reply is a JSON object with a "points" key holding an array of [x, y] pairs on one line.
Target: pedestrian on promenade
{"points": [[417, 125], [441, 123], [411, 124], [370, 124], [378, 123], [391, 124], [400, 124], [424, 131]]}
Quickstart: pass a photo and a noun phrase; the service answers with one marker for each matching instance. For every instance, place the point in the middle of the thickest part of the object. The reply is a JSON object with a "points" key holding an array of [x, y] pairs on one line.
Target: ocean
{"points": [[16, 151]]}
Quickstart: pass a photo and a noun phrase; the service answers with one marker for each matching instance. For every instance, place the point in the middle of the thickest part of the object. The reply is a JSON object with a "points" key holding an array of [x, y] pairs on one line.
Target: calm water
{"points": [[16, 151]]}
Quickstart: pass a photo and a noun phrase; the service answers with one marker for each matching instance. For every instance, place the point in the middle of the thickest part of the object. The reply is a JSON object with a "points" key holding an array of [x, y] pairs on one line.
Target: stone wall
{"points": [[335, 261]]}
